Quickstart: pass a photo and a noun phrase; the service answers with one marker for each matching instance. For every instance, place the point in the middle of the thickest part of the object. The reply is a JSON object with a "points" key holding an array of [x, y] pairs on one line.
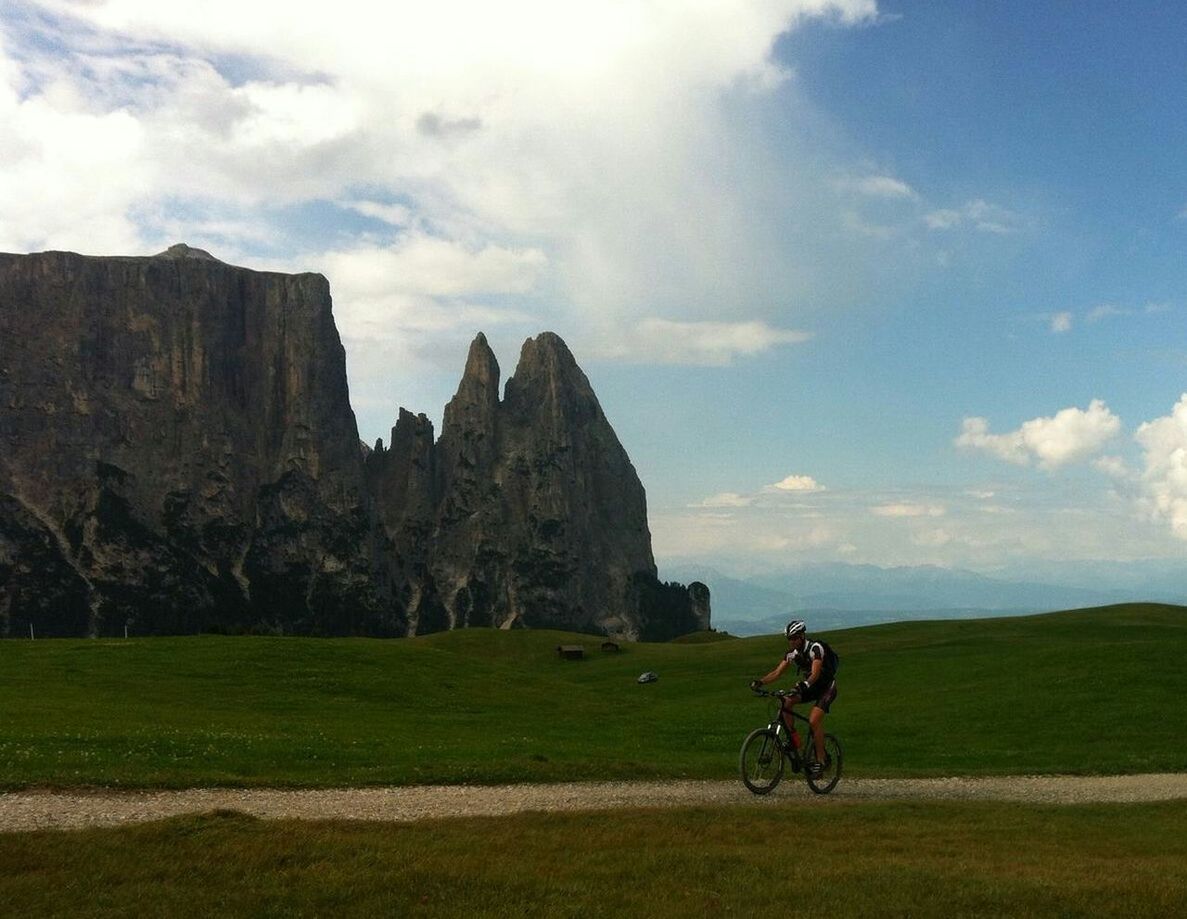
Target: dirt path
{"points": [[42, 809]]}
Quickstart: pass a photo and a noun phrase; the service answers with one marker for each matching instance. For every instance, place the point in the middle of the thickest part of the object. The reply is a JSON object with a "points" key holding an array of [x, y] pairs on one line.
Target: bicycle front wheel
{"points": [[761, 761], [827, 780]]}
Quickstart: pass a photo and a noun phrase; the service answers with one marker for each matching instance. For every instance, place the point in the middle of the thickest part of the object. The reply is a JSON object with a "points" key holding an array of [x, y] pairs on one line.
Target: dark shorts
{"points": [[821, 695]]}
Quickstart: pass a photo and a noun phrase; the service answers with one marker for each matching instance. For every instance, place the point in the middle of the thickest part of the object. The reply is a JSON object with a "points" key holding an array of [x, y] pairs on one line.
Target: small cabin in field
{"points": [[611, 646], [571, 652]]}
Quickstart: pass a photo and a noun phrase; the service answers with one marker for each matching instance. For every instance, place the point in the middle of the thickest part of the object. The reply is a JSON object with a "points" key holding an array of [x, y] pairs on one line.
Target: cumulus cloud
{"points": [[435, 267], [560, 113], [1061, 322], [1164, 477], [1071, 434], [1114, 467], [801, 483], [53, 151]]}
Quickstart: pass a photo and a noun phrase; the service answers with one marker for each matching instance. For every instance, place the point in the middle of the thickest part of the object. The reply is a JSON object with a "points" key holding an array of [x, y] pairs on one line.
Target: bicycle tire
{"points": [[761, 761], [833, 762]]}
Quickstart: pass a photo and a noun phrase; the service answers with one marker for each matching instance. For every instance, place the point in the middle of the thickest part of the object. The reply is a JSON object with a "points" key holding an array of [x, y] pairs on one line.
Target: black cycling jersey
{"points": [[815, 651]]}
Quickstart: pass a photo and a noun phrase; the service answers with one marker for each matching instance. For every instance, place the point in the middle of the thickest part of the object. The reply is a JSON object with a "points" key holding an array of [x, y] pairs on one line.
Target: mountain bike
{"points": [[766, 751]]}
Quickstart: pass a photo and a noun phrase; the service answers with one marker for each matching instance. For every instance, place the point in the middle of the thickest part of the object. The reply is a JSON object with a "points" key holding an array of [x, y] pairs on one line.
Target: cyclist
{"points": [[818, 662]]}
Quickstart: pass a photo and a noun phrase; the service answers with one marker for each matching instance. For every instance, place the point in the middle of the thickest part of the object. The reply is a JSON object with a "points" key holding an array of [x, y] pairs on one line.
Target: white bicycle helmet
{"points": [[794, 628]]}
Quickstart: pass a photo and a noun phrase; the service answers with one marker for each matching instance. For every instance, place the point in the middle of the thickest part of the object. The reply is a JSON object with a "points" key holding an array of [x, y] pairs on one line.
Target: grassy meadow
{"points": [[885, 859], [1090, 691]]}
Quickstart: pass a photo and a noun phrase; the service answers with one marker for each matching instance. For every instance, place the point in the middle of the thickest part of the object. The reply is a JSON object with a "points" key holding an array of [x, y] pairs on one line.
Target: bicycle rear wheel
{"points": [[827, 780], [761, 761]]}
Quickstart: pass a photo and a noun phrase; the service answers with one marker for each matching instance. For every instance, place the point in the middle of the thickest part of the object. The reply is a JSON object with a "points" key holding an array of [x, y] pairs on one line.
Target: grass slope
{"points": [[892, 859], [1089, 691]]}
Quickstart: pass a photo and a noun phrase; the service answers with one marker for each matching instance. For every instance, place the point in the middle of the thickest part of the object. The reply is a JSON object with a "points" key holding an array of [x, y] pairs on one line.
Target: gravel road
{"points": [[27, 810]]}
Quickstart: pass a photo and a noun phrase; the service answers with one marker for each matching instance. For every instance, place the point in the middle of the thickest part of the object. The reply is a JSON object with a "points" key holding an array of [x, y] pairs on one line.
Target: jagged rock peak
{"points": [[477, 398], [181, 250], [548, 356], [482, 368], [547, 373], [544, 348], [411, 425]]}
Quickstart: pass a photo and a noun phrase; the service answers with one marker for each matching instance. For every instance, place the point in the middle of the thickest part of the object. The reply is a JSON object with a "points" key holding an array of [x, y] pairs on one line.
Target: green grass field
{"points": [[1093, 691], [891, 859]]}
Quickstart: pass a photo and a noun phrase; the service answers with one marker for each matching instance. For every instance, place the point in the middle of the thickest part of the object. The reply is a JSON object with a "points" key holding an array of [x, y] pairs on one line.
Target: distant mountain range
{"points": [[836, 595]]}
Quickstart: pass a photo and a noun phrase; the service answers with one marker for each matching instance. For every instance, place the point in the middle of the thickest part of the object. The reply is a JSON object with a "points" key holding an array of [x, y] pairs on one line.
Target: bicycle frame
{"points": [[794, 752]]}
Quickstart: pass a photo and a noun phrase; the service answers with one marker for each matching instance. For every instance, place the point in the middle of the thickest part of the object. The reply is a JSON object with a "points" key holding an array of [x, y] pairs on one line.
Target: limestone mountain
{"points": [[178, 453]]}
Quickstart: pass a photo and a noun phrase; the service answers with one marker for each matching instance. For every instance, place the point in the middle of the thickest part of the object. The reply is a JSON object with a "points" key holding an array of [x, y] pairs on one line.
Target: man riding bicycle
{"points": [[819, 662]]}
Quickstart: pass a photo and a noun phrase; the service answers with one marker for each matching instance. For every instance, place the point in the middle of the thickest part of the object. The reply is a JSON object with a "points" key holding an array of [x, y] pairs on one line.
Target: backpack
{"points": [[832, 660]]}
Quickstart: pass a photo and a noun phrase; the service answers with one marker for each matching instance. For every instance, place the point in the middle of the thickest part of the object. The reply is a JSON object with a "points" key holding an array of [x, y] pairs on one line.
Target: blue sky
{"points": [[899, 283]]}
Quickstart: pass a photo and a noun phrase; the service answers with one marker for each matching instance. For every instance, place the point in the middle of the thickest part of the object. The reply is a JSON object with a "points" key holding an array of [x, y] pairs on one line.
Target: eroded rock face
{"points": [[176, 439], [541, 512], [178, 453]]}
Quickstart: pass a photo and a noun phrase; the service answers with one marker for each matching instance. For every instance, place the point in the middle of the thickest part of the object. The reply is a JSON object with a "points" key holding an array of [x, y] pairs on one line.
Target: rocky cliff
{"points": [[178, 448], [178, 453]]}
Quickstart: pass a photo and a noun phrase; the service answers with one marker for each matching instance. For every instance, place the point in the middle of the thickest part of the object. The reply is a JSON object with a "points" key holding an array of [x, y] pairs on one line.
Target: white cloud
{"points": [[1113, 466], [942, 219], [1061, 322], [909, 527], [633, 90], [791, 485], [711, 344], [1071, 434], [1164, 478], [396, 215], [587, 158], [63, 177], [433, 267], [727, 499], [801, 483], [908, 510], [974, 435], [881, 186], [977, 214], [395, 304]]}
